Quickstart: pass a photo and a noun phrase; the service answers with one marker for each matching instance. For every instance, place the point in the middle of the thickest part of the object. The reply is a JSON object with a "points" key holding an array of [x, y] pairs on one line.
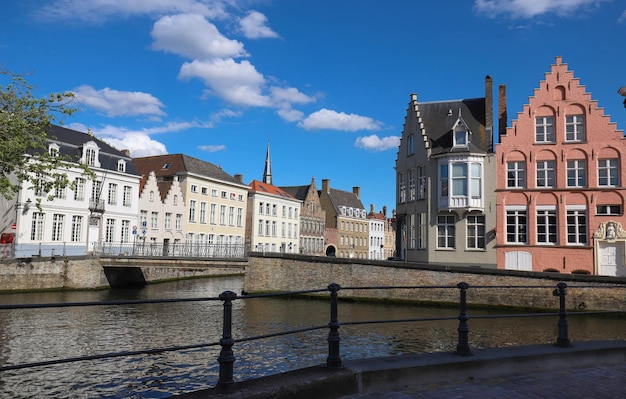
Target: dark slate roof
{"points": [[343, 198], [440, 117], [173, 164], [70, 143], [298, 192]]}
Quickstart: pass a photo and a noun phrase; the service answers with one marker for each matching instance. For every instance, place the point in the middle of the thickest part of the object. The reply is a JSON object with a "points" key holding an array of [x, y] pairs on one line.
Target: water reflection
{"points": [[29, 335]]}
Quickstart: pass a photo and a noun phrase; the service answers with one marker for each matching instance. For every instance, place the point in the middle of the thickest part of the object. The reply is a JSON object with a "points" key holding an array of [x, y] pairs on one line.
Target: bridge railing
{"points": [[180, 249], [227, 357]]}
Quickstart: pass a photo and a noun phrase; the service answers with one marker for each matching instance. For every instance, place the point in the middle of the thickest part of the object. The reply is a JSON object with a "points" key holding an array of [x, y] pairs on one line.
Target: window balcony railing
{"points": [[449, 203], [96, 206]]}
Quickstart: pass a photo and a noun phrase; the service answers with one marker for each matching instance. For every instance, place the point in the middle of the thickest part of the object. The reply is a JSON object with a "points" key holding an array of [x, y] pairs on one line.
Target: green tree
{"points": [[24, 155]]}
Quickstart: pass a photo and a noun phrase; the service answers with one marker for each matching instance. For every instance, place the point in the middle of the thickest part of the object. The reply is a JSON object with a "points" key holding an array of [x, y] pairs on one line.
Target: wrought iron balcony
{"points": [[96, 206]]}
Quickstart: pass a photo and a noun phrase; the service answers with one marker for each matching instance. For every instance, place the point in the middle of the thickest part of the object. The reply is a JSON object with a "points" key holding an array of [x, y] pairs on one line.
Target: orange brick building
{"points": [[560, 193]]}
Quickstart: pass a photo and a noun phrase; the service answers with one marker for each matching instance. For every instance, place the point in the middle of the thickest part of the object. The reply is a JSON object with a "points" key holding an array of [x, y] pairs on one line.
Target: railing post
{"points": [[563, 339], [226, 358], [333, 361], [463, 347]]}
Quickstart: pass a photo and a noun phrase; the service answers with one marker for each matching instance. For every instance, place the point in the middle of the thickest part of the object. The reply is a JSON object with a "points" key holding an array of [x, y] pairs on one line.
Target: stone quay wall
{"points": [[87, 272], [285, 272]]}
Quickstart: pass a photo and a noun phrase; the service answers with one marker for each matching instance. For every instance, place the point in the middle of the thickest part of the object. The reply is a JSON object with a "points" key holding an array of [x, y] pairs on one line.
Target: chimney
{"points": [[372, 209], [126, 152], [502, 111], [357, 191], [385, 210], [326, 186], [488, 103], [239, 177]]}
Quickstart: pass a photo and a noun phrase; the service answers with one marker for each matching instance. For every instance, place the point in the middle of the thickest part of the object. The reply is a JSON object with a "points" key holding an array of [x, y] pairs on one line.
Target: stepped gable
{"points": [[70, 141]]}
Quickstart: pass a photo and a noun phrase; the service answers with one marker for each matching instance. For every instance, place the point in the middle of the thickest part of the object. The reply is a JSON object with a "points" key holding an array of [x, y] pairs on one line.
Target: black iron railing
{"points": [[227, 357]]}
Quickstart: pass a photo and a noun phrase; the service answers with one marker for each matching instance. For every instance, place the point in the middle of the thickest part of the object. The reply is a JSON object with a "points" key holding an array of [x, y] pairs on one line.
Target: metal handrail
{"points": [[226, 358]]}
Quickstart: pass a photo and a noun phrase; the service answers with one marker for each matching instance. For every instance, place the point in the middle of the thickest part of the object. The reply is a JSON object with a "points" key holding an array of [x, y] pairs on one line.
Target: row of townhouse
{"points": [[549, 197], [177, 205]]}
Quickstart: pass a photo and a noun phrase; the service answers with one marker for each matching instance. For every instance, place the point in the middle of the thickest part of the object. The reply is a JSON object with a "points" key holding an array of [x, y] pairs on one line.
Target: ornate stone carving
{"points": [[610, 230]]}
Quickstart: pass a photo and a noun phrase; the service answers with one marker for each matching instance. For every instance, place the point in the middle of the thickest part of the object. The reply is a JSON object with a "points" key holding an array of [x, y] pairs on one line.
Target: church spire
{"points": [[267, 173]]}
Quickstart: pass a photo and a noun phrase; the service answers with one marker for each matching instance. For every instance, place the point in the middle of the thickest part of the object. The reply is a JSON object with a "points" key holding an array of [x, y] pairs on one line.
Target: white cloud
{"points": [[374, 143], [622, 17], [139, 144], [238, 83], [192, 36], [254, 26], [119, 103], [289, 95], [289, 114], [212, 148], [329, 119], [95, 11], [532, 8]]}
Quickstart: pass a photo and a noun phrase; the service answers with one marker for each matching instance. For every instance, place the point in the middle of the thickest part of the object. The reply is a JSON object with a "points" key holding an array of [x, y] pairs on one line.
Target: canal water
{"points": [[33, 335]]}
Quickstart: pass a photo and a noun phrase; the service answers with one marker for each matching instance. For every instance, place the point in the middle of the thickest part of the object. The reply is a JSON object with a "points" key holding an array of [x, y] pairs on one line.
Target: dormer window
{"points": [[53, 150], [460, 136], [121, 165], [90, 154]]}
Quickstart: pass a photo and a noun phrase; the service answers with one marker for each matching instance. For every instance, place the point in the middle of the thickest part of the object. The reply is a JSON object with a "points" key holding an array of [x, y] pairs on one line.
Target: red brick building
{"points": [[560, 183]]}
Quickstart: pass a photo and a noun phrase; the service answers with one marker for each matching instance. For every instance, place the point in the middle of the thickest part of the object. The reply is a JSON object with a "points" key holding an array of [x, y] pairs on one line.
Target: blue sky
{"points": [[327, 83]]}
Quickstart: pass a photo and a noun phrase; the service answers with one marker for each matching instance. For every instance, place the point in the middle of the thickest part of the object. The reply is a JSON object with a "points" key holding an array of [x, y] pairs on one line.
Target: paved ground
{"points": [[606, 382]]}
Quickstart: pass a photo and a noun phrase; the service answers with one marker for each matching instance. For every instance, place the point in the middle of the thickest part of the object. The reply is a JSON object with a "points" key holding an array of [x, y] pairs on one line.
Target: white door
{"points": [[518, 260], [610, 259]]}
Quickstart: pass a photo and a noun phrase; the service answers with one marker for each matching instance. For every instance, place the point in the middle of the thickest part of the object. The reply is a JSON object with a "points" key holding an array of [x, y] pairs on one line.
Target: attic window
{"points": [[167, 165], [53, 150], [460, 136], [90, 154], [121, 165]]}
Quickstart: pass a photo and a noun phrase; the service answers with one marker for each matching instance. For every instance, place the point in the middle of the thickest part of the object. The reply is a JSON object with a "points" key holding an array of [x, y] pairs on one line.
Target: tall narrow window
{"points": [[231, 216], [459, 179], [239, 217], [544, 129], [90, 156], [577, 173], [421, 181], [516, 226], [36, 231], [476, 232], [460, 136], [125, 233], [608, 173], [421, 232], [154, 220], [212, 211], [57, 227], [126, 201], [203, 212], [575, 128], [222, 215], [515, 174], [410, 145], [110, 230], [443, 180], [192, 211], [77, 228], [576, 226], [445, 231], [546, 226], [412, 193], [401, 188], [545, 174], [476, 180], [168, 220], [179, 221], [112, 200], [96, 190], [79, 189]]}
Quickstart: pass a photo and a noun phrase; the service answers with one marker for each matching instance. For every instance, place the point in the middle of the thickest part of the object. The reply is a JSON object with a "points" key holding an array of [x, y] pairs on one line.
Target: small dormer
{"points": [[461, 135], [91, 154], [121, 165], [53, 150]]}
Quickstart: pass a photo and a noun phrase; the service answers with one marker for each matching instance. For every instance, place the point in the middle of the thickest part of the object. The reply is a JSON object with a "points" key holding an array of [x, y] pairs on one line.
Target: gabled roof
{"points": [[439, 118], [298, 192], [71, 141], [178, 164], [343, 198], [264, 188]]}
